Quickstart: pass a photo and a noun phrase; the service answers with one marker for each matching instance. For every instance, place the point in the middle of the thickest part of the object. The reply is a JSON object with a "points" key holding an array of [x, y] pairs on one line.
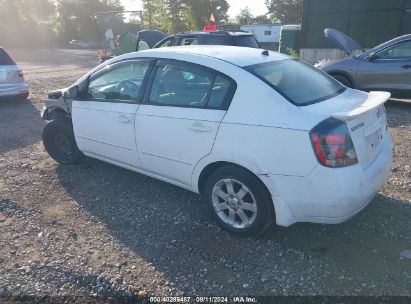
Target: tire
{"points": [[24, 96], [59, 141], [344, 80], [256, 203]]}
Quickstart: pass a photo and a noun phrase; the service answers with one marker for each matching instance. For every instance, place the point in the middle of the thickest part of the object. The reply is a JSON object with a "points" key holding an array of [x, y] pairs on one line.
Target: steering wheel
{"points": [[127, 87]]}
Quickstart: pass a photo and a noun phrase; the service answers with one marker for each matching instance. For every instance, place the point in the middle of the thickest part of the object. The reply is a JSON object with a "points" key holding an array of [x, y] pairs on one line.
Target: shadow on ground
{"points": [[169, 227], [15, 134], [55, 57]]}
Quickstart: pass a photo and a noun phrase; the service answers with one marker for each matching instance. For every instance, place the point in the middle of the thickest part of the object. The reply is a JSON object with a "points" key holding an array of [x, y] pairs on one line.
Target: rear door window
{"points": [[297, 81], [5, 59], [189, 85], [181, 85]]}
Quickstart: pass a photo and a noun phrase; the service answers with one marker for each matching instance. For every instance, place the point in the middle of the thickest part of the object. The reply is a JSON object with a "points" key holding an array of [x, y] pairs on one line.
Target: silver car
{"points": [[386, 67], [12, 84]]}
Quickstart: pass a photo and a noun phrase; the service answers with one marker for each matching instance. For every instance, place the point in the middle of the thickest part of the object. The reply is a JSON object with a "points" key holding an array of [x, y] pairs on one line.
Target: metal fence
{"points": [[369, 22]]}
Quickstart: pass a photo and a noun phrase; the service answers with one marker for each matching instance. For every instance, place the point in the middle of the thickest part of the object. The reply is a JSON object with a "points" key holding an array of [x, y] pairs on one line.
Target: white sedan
{"points": [[263, 137]]}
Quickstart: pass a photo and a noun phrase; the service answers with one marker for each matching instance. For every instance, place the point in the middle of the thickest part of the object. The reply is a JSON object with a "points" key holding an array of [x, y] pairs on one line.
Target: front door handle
{"points": [[406, 66], [200, 127], [124, 119]]}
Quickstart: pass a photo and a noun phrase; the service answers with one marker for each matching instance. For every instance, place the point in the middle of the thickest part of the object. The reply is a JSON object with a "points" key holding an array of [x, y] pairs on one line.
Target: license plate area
{"points": [[375, 139]]}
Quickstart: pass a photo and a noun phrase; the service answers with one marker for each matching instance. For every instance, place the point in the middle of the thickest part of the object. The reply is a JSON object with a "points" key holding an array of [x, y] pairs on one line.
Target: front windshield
{"points": [[297, 81]]}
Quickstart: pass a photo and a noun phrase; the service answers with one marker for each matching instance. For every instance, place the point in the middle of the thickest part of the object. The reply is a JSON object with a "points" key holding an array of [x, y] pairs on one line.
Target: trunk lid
{"points": [[365, 117], [9, 74]]}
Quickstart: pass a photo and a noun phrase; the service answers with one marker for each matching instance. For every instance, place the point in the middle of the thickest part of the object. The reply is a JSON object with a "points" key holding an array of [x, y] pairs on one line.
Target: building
{"points": [[268, 35], [369, 22]]}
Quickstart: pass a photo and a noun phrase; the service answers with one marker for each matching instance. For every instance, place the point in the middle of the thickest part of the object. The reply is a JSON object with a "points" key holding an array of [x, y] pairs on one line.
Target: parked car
{"points": [[12, 82], [235, 38], [385, 67], [80, 44], [262, 136], [127, 42]]}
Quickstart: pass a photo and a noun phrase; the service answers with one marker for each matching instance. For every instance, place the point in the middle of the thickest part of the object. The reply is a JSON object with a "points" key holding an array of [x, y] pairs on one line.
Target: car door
{"points": [[389, 69], [177, 123], [103, 120]]}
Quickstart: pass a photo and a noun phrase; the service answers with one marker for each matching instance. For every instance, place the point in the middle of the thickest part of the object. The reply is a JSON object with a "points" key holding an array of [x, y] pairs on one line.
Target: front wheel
{"points": [[59, 141], [239, 201]]}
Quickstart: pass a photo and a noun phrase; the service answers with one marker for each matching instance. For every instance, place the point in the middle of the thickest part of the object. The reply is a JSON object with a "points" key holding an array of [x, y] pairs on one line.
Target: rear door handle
{"points": [[200, 127], [124, 119], [406, 66]]}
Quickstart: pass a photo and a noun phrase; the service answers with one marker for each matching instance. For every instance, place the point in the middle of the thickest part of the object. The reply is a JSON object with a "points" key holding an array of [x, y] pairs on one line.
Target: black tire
{"points": [[264, 206], [344, 80], [59, 141]]}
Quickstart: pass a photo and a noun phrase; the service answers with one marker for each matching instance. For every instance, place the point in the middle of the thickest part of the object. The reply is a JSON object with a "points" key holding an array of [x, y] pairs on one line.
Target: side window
{"points": [[181, 85], [175, 41], [165, 43], [222, 90], [189, 41], [119, 83], [215, 40], [398, 51]]}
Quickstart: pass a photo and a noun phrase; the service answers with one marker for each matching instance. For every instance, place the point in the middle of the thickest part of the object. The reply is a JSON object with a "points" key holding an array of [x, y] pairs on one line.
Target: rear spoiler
{"points": [[374, 100]]}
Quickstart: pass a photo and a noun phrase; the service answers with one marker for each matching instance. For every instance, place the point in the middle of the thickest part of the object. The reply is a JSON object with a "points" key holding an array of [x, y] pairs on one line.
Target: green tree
{"points": [[149, 11], [285, 11], [78, 19], [175, 14], [244, 16], [25, 22], [198, 12]]}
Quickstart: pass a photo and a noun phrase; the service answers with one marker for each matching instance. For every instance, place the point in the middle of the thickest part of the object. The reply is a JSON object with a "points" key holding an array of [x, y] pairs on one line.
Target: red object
{"points": [[333, 148], [210, 27], [212, 19]]}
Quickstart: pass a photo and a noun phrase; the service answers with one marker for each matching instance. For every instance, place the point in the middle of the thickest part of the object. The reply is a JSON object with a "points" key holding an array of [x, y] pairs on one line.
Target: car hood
{"points": [[346, 43]]}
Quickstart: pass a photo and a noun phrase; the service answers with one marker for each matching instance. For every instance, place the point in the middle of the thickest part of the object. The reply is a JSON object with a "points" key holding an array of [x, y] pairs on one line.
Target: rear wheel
{"points": [[238, 201], [59, 141], [344, 80]]}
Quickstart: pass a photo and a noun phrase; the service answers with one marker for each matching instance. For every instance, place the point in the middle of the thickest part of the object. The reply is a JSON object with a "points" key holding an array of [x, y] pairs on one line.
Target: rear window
{"points": [[297, 81], [5, 58], [215, 40], [247, 41]]}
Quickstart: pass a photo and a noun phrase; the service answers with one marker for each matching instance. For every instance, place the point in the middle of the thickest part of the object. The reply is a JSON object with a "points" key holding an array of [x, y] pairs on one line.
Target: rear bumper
{"points": [[329, 196], [13, 89]]}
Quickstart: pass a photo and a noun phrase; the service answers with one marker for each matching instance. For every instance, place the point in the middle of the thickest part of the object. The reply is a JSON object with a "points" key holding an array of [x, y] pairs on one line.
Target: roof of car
{"points": [[240, 56], [227, 32]]}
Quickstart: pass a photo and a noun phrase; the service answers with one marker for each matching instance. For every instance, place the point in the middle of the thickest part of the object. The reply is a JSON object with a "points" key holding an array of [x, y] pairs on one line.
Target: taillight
{"points": [[332, 144]]}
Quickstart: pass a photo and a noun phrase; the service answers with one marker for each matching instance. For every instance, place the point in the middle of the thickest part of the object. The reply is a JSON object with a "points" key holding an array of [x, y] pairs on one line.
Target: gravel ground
{"points": [[95, 231]]}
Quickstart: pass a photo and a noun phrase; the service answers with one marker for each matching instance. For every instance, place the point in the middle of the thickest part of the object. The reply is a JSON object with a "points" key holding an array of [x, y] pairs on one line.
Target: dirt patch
{"points": [[94, 230]]}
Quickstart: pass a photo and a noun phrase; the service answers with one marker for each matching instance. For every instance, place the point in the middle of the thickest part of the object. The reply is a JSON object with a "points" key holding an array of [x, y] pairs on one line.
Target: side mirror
{"points": [[372, 56], [71, 93]]}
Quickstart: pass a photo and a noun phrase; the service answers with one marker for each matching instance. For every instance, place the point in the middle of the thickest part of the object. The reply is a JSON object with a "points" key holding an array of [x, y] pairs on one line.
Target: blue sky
{"points": [[257, 7]]}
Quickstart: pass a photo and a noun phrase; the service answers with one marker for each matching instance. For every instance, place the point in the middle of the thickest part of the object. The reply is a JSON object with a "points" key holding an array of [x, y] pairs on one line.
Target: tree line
{"points": [[55, 22]]}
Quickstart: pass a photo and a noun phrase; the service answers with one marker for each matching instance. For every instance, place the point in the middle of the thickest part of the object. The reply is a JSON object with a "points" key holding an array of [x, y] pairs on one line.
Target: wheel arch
{"points": [[210, 167], [283, 214], [343, 74]]}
